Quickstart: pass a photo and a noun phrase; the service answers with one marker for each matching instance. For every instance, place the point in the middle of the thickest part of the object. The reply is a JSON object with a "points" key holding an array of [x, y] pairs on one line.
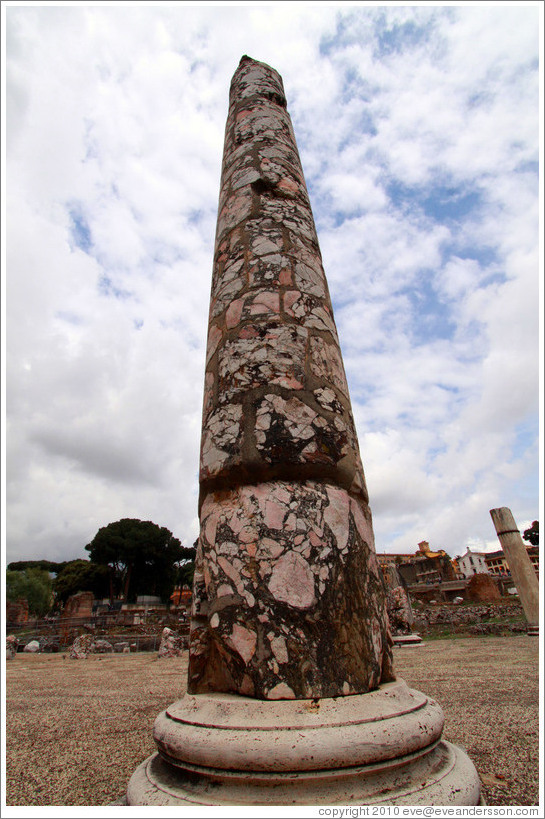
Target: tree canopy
{"points": [[45, 565], [32, 585], [531, 535], [142, 558], [81, 575]]}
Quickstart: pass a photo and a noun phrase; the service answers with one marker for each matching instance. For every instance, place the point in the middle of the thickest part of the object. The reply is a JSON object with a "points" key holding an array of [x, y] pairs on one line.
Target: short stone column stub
{"points": [[520, 565], [292, 697]]}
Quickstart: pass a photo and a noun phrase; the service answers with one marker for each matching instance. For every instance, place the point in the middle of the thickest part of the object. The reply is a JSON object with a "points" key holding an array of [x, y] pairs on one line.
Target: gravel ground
{"points": [[77, 729]]}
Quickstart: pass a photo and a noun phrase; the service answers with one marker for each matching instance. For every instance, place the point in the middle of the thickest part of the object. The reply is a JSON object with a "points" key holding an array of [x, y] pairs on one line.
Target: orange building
{"points": [[181, 597]]}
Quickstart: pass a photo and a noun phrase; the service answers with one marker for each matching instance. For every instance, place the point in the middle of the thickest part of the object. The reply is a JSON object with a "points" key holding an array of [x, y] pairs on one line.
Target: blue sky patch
{"points": [[527, 435], [483, 254], [106, 287], [194, 217], [432, 317], [80, 231], [331, 42], [69, 317], [400, 37], [530, 167], [450, 204], [443, 203]]}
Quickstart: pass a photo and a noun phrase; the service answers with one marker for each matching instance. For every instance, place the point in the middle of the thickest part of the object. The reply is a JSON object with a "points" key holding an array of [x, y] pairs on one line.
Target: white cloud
{"points": [[418, 132], [350, 192]]}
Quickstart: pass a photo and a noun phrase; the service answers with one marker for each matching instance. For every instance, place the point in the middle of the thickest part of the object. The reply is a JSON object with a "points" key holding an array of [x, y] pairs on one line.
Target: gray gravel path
{"points": [[77, 729]]}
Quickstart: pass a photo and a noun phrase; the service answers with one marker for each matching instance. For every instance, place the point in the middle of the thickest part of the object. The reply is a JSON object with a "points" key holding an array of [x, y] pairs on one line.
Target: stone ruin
{"points": [[82, 647], [487, 618], [11, 646], [16, 612], [172, 644], [292, 697], [400, 613], [483, 588], [398, 602], [79, 606], [87, 644]]}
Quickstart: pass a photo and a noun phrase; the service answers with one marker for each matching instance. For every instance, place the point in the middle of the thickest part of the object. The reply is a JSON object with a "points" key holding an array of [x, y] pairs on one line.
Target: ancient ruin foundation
{"points": [[291, 693]]}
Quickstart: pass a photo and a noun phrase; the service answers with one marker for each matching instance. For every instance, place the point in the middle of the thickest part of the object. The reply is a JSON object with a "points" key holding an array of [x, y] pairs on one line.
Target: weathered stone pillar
{"points": [[288, 598], [291, 693], [520, 565]]}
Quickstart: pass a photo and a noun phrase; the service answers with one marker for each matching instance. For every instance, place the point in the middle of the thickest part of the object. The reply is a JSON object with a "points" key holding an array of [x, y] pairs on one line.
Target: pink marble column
{"points": [[288, 596], [289, 612]]}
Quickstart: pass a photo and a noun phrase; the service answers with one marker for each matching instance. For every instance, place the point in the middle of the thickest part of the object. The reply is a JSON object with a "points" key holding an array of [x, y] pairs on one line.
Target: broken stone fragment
{"points": [[11, 646], [172, 644]]}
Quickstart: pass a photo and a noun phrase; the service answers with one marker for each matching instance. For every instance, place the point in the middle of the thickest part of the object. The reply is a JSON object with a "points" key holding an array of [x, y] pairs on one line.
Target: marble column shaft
{"points": [[520, 565], [288, 596]]}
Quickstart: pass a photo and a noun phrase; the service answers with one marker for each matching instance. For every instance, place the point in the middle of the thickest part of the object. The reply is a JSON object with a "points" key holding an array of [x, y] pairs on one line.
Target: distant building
{"points": [[386, 560], [533, 554], [498, 565], [423, 566], [405, 557], [425, 551], [473, 563], [181, 597], [457, 570]]}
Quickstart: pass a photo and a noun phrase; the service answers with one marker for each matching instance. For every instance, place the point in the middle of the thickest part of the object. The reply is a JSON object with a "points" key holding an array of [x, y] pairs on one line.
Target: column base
{"points": [[407, 640], [381, 748]]}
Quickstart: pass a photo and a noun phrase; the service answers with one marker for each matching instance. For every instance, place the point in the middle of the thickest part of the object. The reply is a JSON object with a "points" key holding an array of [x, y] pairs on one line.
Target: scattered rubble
{"points": [[82, 647], [16, 611], [11, 646], [103, 647], [458, 619], [172, 643]]}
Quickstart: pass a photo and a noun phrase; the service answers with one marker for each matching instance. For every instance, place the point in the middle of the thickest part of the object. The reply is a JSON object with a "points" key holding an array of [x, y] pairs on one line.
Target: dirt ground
{"points": [[77, 729]]}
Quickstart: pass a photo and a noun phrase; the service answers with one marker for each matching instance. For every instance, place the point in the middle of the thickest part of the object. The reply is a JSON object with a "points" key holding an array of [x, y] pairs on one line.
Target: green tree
{"points": [[141, 557], [187, 565], [46, 565], [81, 575], [32, 585], [531, 535]]}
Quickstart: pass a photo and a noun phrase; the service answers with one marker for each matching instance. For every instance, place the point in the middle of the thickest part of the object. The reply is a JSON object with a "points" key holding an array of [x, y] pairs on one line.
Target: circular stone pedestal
{"points": [[383, 747]]}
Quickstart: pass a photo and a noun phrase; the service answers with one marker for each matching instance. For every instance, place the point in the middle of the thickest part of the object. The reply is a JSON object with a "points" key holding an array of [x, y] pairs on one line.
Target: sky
{"points": [[418, 131]]}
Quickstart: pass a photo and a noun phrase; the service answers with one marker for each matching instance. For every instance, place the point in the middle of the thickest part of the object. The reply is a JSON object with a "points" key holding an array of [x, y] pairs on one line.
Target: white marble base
{"points": [[383, 747]]}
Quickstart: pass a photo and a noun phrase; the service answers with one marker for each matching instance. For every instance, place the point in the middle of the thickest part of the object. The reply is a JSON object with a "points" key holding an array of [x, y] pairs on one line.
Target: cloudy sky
{"points": [[418, 133]]}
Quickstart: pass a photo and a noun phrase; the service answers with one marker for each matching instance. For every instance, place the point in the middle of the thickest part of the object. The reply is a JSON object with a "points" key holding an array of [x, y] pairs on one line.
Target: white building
{"points": [[473, 563]]}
